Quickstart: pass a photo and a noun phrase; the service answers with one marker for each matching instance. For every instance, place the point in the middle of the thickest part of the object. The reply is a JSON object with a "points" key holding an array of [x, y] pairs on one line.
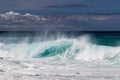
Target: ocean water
{"points": [[60, 55], [53, 53]]}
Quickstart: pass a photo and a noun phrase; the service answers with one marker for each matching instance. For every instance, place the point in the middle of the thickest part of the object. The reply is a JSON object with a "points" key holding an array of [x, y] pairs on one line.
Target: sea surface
{"points": [[55, 49]]}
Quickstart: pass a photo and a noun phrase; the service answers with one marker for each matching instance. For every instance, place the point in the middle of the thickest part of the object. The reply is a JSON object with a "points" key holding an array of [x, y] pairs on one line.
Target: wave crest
{"points": [[61, 48]]}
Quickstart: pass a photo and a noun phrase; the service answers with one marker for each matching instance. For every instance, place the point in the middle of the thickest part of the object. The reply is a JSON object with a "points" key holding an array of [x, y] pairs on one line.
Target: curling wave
{"points": [[61, 48]]}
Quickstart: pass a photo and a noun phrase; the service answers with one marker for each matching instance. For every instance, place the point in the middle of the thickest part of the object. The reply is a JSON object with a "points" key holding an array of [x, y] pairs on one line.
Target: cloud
{"points": [[68, 6], [32, 4], [93, 6]]}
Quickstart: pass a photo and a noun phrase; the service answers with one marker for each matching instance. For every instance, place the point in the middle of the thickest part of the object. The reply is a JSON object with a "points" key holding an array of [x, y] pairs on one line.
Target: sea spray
{"points": [[80, 48]]}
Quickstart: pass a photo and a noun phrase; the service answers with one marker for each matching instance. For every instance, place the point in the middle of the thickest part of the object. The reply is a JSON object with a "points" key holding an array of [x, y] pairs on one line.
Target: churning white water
{"points": [[59, 59]]}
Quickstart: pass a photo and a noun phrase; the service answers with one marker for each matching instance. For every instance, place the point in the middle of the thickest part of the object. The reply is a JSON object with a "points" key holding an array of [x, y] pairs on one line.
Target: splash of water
{"points": [[61, 48]]}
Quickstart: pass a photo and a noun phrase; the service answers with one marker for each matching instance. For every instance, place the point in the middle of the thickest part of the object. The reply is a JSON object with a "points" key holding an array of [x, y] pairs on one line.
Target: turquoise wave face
{"points": [[37, 49], [54, 48]]}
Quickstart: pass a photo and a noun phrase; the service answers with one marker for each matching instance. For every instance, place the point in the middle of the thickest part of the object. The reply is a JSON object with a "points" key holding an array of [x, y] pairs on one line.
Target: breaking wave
{"points": [[62, 48]]}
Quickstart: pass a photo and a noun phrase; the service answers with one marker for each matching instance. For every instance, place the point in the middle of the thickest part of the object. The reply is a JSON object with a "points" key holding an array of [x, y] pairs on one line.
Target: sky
{"points": [[67, 7], [60, 6]]}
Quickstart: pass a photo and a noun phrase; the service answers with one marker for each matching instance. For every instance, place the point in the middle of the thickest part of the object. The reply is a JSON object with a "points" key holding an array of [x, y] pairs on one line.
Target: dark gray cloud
{"points": [[32, 4], [92, 6], [68, 6]]}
